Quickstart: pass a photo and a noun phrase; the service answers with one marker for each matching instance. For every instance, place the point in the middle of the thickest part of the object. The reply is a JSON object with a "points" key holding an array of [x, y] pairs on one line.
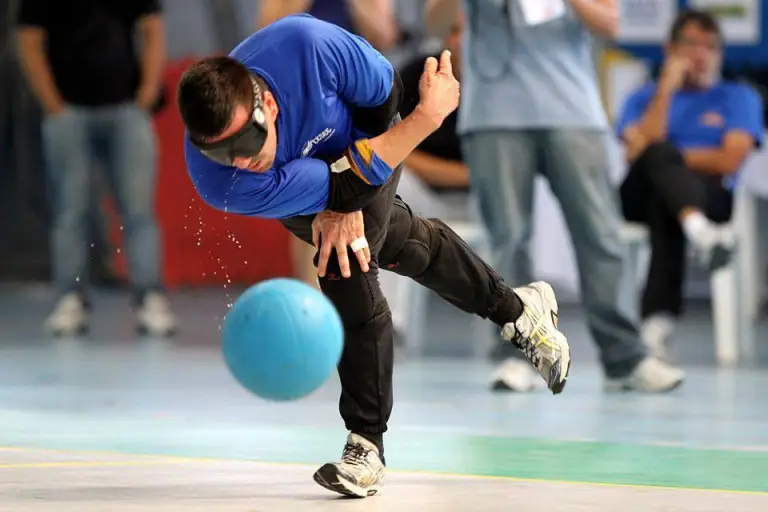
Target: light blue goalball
{"points": [[282, 339]]}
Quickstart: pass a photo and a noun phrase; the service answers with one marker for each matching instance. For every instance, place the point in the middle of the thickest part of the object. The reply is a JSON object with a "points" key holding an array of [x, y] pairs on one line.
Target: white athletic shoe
{"points": [[650, 376], [536, 334], [69, 317], [714, 247], [516, 375], [360, 473], [154, 316]]}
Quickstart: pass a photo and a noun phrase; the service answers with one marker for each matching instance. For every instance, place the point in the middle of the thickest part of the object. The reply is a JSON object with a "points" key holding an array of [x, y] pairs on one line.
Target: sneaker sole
{"points": [[565, 360], [621, 387], [328, 477], [558, 387]]}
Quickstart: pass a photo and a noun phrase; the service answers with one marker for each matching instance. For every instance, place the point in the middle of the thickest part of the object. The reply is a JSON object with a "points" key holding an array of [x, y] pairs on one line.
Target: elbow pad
{"points": [[376, 120], [348, 193], [356, 178]]}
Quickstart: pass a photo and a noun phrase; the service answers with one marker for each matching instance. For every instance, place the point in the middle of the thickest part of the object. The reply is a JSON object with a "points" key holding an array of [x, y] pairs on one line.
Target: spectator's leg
{"points": [[503, 166], [683, 195], [131, 170], [662, 296], [69, 156], [662, 300], [577, 169], [718, 204]]}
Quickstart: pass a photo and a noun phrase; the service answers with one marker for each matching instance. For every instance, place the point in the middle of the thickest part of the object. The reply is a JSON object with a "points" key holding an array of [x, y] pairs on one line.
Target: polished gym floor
{"points": [[113, 423]]}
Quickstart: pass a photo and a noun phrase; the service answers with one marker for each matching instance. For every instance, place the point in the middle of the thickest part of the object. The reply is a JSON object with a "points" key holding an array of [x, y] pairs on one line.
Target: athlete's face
{"points": [[265, 159]]}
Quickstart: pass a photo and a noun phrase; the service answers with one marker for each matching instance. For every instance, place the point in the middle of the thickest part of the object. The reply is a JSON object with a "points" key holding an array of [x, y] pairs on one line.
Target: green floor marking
{"points": [[421, 451]]}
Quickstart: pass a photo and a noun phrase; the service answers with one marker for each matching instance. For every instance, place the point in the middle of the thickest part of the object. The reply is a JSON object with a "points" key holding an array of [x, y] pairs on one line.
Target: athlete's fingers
{"points": [[341, 252], [323, 257], [446, 66], [315, 235], [430, 66], [362, 259]]}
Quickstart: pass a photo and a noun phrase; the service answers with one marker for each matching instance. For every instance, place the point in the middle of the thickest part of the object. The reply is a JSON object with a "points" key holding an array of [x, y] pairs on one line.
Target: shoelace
{"points": [[530, 351], [354, 454], [529, 345]]}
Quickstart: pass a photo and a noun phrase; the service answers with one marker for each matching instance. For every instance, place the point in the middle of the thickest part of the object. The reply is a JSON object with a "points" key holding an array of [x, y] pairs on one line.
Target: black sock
{"points": [[377, 439], [508, 308]]}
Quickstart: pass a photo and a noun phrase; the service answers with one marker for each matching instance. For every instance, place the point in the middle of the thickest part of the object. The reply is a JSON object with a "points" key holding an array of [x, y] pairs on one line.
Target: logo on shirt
{"points": [[320, 137], [713, 120]]}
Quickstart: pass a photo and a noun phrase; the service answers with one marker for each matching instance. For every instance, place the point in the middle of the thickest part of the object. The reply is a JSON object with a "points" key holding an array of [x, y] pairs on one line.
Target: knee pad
{"points": [[416, 252]]}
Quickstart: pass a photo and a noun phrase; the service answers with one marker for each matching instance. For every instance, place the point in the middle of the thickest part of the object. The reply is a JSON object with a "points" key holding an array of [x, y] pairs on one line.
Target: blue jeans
{"points": [[503, 165], [122, 140]]}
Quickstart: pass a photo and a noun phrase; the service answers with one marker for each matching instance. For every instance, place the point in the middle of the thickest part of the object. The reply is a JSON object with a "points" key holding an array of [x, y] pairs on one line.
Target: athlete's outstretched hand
{"points": [[339, 231], [438, 88]]}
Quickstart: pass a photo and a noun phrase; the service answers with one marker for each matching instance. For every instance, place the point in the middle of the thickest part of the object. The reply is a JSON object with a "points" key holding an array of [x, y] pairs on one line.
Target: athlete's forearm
{"points": [[374, 160], [394, 145]]}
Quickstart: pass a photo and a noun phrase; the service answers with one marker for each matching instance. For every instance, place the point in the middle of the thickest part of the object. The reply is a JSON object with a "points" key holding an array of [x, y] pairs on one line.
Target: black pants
{"points": [[658, 187], [425, 250]]}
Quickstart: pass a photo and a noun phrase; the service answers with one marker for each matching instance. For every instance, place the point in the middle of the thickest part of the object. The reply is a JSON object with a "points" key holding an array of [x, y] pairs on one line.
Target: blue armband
{"points": [[365, 163]]}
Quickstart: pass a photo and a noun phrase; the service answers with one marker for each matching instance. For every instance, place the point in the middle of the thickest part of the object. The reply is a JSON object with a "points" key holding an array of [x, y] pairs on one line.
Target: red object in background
{"points": [[203, 246]]}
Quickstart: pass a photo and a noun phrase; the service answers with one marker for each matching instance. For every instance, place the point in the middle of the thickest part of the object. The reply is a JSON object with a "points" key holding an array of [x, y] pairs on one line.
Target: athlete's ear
{"points": [[270, 105]]}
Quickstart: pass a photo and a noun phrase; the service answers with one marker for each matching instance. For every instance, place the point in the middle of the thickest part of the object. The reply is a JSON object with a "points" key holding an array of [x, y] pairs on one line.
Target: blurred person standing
{"points": [[686, 136], [530, 105], [97, 96], [374, 21]]}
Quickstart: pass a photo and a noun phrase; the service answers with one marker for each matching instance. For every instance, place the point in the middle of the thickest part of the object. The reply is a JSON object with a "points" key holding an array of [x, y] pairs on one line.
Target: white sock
{"points": [[655, 331], [696, 226]]}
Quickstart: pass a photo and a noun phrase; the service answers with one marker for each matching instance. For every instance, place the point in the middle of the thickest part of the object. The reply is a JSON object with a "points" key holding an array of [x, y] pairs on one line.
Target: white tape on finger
{"points": [[360, 243]]}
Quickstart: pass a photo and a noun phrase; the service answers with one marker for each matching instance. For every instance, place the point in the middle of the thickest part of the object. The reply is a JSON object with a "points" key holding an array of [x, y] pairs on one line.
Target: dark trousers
{"points": [[425, 250], [657, 189]]}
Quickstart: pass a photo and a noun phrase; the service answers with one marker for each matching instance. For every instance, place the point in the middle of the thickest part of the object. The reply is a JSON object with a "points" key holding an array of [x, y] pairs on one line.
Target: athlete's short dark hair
{"points": [[208, 93], [703, 19]]}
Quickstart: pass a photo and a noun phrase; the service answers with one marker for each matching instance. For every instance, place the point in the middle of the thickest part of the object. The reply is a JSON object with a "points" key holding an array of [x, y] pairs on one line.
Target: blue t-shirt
{"points": [[700, 119], [316, 71]]}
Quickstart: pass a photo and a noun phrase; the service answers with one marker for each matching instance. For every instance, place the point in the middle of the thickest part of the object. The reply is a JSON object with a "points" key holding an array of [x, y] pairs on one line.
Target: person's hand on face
{"points": [[674, 72]]}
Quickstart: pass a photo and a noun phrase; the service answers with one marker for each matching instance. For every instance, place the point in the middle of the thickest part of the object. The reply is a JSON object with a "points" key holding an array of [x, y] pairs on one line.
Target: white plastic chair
{"points": [[415, 298]]}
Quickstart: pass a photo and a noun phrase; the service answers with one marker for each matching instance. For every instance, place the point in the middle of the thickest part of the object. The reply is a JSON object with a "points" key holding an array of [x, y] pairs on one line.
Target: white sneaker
{"points": [[536, 334], [154, 316], [516, 375], [360, 472], [714, 247], [69, 317], [650, 376]]}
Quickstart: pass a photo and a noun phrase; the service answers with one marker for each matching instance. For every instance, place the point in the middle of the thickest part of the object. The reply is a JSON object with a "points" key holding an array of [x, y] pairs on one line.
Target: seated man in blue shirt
{"points": [[686, 138], [300, 123]]}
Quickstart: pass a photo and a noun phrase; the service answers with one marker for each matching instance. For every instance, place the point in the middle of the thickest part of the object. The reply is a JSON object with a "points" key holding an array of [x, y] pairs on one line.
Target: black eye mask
{"points": [[246, 142]]}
